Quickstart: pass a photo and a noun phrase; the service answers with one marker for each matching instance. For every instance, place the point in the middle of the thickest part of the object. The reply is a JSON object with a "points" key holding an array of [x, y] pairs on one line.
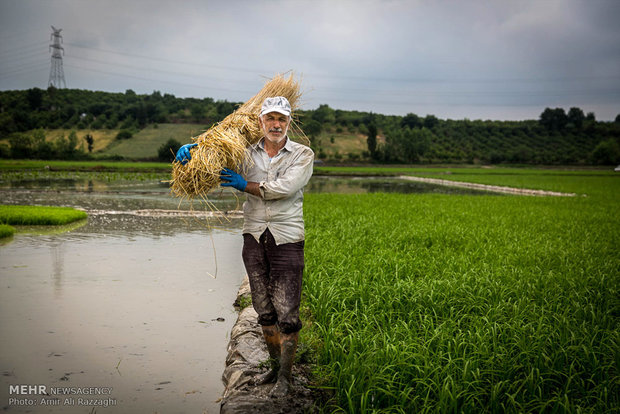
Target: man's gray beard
{"points": [[284, 132]]}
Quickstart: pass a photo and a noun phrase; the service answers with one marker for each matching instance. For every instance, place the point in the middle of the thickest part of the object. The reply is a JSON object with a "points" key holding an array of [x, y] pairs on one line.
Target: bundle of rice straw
{"points": [[223, 145]]}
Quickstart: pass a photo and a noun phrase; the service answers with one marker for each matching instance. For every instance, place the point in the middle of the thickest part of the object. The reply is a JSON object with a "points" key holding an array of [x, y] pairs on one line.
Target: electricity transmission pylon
{"points": [[57, 74]]}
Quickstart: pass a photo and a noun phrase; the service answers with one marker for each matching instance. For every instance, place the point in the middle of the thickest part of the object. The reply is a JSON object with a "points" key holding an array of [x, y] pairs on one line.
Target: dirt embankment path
{"points": [[487, 187], [247, 354]]}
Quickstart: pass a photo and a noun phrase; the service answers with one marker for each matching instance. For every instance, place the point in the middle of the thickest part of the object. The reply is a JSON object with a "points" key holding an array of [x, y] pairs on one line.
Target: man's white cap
{"points": [[276, 104]]}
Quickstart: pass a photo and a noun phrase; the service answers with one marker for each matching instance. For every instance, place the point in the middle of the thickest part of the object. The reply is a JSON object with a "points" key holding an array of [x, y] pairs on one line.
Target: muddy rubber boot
{"points": [[272, 338], [287, 357]]}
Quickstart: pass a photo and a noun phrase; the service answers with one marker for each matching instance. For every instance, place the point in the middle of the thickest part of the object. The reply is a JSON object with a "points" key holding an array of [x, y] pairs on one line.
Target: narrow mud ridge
{"points": [[247, 354], [487, 187], [232, 214]]}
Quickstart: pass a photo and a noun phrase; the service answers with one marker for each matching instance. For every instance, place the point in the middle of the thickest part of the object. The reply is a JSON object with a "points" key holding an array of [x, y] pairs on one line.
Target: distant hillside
{"points": [[38, 123], [146, 142]]}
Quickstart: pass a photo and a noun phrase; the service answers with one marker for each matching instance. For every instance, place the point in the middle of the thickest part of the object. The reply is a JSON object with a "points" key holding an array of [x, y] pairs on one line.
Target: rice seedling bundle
{"points": [[39, 215], [223, 145]]}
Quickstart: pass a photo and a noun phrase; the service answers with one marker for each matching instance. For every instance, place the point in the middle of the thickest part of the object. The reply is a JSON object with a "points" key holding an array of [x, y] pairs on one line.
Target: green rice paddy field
{"points": [[453, 303]]}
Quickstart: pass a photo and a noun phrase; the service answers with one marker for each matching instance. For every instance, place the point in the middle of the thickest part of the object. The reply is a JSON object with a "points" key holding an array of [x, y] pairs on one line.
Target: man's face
{"points": [[275, 126]]}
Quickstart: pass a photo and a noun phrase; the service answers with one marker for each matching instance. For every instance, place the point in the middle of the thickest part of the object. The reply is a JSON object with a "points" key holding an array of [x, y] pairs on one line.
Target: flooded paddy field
{"points": [[133, 299], [136, 300]]}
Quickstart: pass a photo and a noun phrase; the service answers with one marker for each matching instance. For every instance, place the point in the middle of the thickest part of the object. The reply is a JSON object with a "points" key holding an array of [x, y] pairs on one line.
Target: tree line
{"points": [[25, 110], [557, 137]]}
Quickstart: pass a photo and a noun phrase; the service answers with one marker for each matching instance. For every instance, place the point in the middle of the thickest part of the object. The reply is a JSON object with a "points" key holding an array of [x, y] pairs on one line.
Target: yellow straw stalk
{"points": [[223, 145]]}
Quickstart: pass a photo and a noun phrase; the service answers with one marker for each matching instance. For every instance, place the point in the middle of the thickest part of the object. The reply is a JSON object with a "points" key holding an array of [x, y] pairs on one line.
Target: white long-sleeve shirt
{"points": [[281, 181]]}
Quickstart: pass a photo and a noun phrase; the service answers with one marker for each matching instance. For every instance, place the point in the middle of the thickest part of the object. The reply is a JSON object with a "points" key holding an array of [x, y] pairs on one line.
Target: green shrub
{"points": [[606, 153], [5, 150], [168, 150], [124, 134]]}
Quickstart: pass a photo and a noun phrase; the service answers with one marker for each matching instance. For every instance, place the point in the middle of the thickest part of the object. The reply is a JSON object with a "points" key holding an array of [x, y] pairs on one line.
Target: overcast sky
{"points": [[505, 60]]}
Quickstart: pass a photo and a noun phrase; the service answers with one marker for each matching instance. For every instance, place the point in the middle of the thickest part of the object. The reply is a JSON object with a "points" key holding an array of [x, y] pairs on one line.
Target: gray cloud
{"points": [[455, 59]]}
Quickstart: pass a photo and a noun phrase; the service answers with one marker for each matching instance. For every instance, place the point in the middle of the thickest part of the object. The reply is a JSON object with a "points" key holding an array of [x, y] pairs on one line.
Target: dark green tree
{"points": [[35, 98], [371, 141], [406, 145], [141, 114], [5, 150], [168, 150], [130, 96], [430, 121], [607, 153], [65, 148], [21, 145], [41, 148], [411, 120], [313, 128], [198, 112], [224, 108], [124, 134], [90, 141], [324, 114], [553, 119], [7, 124], [576, 117]]}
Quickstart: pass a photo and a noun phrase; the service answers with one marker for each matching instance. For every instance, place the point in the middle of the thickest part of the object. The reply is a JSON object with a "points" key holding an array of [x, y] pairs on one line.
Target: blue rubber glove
{"points": [[232, 179], [183, 154]]}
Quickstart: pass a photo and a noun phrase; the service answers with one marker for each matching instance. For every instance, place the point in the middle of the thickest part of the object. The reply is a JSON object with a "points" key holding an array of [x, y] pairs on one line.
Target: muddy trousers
{"points": [[275, 274]]}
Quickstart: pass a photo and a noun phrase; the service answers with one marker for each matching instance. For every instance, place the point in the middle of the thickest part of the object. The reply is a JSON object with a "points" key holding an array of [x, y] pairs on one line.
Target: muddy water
{"points": [[136, 305]]}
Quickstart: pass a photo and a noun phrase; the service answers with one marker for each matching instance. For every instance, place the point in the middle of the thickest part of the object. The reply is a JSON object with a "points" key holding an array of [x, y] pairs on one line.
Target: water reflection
{"points": [[73, 305], [139, 197], [98, 192], [131, 283], [57, 252], [319, 184], [128, 225]]}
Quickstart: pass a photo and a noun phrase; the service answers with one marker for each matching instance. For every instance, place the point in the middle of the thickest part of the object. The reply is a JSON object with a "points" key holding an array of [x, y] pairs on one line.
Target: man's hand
{"points": [[183, 154], [232, 179]]}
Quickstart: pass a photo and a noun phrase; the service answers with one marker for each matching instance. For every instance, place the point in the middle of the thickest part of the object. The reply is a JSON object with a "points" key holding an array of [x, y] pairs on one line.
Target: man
{"points": [[273, 234]]}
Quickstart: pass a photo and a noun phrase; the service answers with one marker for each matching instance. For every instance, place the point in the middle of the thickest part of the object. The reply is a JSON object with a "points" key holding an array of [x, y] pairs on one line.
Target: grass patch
{"points": [[243, 302], [82, 175], [344, 143], [436, 303], [37, 215], [113, 166], [101, 137], [146, 142]]}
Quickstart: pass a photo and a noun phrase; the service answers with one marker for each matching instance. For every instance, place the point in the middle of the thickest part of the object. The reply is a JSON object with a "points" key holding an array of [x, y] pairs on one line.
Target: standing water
{"points": [[133, 305]]}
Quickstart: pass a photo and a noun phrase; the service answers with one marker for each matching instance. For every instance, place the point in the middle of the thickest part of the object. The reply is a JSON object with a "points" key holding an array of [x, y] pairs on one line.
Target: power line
{"points": [[124, 75], [27, 47], [17, 63], [25, 70], [140, 68], [133, 55], [357, 91], [409, 80]]}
